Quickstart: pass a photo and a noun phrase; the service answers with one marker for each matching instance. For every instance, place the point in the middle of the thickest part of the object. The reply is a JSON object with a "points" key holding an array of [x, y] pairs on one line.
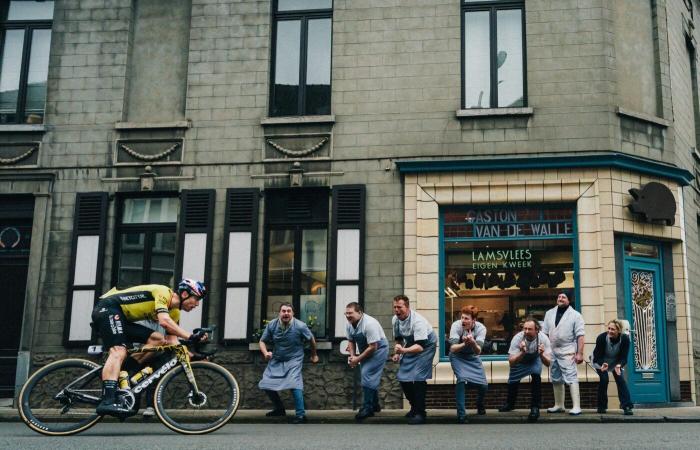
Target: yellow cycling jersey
{"points": [[142, 302]]}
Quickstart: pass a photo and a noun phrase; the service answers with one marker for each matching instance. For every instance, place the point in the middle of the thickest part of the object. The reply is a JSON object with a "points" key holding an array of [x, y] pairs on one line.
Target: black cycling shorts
{"points": [[114, 329]]}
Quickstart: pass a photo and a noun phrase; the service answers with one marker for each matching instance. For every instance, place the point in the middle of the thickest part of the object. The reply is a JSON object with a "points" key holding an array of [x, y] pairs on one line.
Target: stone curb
{"points": [[395, 417]]}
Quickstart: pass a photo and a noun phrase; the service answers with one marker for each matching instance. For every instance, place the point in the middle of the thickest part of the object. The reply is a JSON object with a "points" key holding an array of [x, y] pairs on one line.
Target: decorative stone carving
{"points": [[19, 154], [297, 146], [133, 152]]}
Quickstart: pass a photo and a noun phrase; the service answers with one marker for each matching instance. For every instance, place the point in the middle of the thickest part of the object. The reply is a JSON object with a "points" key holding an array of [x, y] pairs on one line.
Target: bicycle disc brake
{"points": [[197, 400]]}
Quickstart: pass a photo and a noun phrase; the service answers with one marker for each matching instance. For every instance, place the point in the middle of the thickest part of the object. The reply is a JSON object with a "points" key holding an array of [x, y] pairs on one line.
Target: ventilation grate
{"points": [[197, 209], [89, 213], [349, 205], [241, 208], [299, 207]]}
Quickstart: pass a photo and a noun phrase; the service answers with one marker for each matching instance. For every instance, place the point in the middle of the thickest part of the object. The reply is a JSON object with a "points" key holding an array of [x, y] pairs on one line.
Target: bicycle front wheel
{"points": [[181, 410], [60, 398]]}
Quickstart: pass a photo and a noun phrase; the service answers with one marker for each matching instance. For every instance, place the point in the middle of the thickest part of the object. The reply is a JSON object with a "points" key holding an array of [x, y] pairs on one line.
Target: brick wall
{"points": [[442, 396]]}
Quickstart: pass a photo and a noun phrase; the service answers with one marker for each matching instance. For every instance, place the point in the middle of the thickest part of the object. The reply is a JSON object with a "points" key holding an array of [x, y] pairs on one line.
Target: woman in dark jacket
{"points": [[610, 355]]}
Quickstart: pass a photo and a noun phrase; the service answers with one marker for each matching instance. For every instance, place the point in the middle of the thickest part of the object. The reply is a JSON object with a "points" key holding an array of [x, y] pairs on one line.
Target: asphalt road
{"points": [[347, 436]]}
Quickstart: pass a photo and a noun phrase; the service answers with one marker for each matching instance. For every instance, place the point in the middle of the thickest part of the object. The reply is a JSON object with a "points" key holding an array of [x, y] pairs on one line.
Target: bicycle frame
{"points": [[181, 355]]}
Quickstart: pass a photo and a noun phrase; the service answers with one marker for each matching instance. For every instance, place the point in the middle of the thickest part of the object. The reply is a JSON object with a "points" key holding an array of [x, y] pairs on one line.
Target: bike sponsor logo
{"points": [[115, 324], [160, 372]]}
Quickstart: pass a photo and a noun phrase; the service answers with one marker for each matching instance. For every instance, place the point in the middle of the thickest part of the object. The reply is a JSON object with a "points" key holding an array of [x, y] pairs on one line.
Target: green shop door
{"points": [[647, 370]]}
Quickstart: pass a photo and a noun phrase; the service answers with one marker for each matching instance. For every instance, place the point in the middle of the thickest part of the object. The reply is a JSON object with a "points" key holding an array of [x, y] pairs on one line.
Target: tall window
{"points": [[24, 67], [146, 241], [493, 59], [296, 255], [301, 72], [510, 262]]}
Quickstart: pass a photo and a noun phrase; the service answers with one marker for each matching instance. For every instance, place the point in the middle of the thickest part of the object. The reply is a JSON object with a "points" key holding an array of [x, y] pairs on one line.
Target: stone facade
{"points": [[396, 89]]}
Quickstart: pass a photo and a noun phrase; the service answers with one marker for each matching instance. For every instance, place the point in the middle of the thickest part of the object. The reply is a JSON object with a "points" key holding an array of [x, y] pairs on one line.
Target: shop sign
{"points": [[502, 259], [509, 223]]}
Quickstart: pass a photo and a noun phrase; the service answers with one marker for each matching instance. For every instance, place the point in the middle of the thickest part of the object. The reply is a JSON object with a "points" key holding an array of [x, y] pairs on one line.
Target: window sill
{"points": [[298, 120], [23, 128], [642, 116], [320, 345], [493, 112], [152, 125]]}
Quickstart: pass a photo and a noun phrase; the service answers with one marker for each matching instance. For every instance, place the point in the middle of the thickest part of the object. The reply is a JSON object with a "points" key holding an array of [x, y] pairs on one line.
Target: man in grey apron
{"points": [[369, 349], [529, 349], [414, 350], [283, 371], [467, 337]]}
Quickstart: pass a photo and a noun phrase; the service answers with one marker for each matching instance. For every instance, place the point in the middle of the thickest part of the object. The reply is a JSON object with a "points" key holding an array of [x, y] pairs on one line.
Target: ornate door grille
{"points": [[644, 317]]}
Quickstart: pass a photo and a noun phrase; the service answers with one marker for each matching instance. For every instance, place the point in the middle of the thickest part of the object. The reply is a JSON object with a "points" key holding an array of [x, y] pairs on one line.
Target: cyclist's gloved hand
{"points": [[197, 336]]}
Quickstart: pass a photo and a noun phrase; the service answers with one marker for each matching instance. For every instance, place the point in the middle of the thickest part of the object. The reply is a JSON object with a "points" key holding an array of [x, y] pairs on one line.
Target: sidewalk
{"points": [[444, 416]]}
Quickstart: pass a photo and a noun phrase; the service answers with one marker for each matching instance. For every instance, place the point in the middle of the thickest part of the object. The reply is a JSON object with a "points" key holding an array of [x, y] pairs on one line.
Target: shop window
{"points": [[301, 73], [146, 237], [24, 60], [296, 256], [493, 42], [508, 262]]}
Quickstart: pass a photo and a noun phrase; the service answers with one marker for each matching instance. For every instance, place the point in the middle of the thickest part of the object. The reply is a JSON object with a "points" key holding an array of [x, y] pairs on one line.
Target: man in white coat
{"points": [[565, 328]]}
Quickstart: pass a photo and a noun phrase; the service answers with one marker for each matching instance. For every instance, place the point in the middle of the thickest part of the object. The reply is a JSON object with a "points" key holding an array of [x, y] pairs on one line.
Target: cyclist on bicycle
{"points": [[116, 315]]}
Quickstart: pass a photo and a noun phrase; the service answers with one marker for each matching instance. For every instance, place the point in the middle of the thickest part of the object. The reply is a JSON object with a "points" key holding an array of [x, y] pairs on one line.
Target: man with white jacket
{"points": [[565, 328]]}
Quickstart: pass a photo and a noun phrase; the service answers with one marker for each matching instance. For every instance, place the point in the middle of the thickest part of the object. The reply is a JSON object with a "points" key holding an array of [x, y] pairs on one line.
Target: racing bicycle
{"points": [[190, 397]]}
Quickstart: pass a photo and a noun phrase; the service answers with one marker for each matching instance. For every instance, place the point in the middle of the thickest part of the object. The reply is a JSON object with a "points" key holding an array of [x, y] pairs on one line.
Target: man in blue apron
{"points": [[529, 349], [288, 335], [467, 336], [369, 349], [414, 350], [565, 329]]}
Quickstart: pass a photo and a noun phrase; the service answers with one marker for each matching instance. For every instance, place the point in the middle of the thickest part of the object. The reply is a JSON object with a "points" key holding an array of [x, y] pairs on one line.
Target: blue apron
{"points": [[372, 367], [531, 364], [417, 366], [468, 367], [283, 371]]}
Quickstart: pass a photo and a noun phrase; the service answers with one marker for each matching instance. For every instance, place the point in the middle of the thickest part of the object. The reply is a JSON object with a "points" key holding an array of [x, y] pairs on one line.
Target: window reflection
{"points": [[287, 57], [147, 241], [302, 58], [477, 84], [131, 256], [150, 210], [163, 259], [313, 279], [280, 271], [9, 80], [318, 67], [494, 68], [25, 71], [509, 59], [37, 76]]}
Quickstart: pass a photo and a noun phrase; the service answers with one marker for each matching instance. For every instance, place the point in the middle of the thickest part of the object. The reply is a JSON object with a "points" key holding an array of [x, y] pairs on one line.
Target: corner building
{"points": [[327, 151]]}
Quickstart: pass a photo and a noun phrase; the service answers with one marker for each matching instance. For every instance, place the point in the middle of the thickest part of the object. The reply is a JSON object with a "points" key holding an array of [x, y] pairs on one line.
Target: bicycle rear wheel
{"points": [[60, 398], [180, 411]]}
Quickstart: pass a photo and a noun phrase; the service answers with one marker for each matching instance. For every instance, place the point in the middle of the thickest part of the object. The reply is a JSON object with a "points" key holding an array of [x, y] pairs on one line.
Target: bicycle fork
{"points": [[196, 398]]}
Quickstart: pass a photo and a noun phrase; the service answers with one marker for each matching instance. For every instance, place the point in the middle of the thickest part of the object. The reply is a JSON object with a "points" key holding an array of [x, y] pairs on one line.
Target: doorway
{"points": [[15, 239], [647, 372]]}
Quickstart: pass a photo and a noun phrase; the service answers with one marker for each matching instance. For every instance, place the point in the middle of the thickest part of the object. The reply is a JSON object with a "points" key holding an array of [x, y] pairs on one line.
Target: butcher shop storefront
{"points": [[507, 235]]}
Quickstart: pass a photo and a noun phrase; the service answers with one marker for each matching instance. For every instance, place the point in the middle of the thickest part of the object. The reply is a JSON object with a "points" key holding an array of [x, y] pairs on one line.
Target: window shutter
{"points": [[86, 263], [239, 262], [347, 251], [195, 238]]}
